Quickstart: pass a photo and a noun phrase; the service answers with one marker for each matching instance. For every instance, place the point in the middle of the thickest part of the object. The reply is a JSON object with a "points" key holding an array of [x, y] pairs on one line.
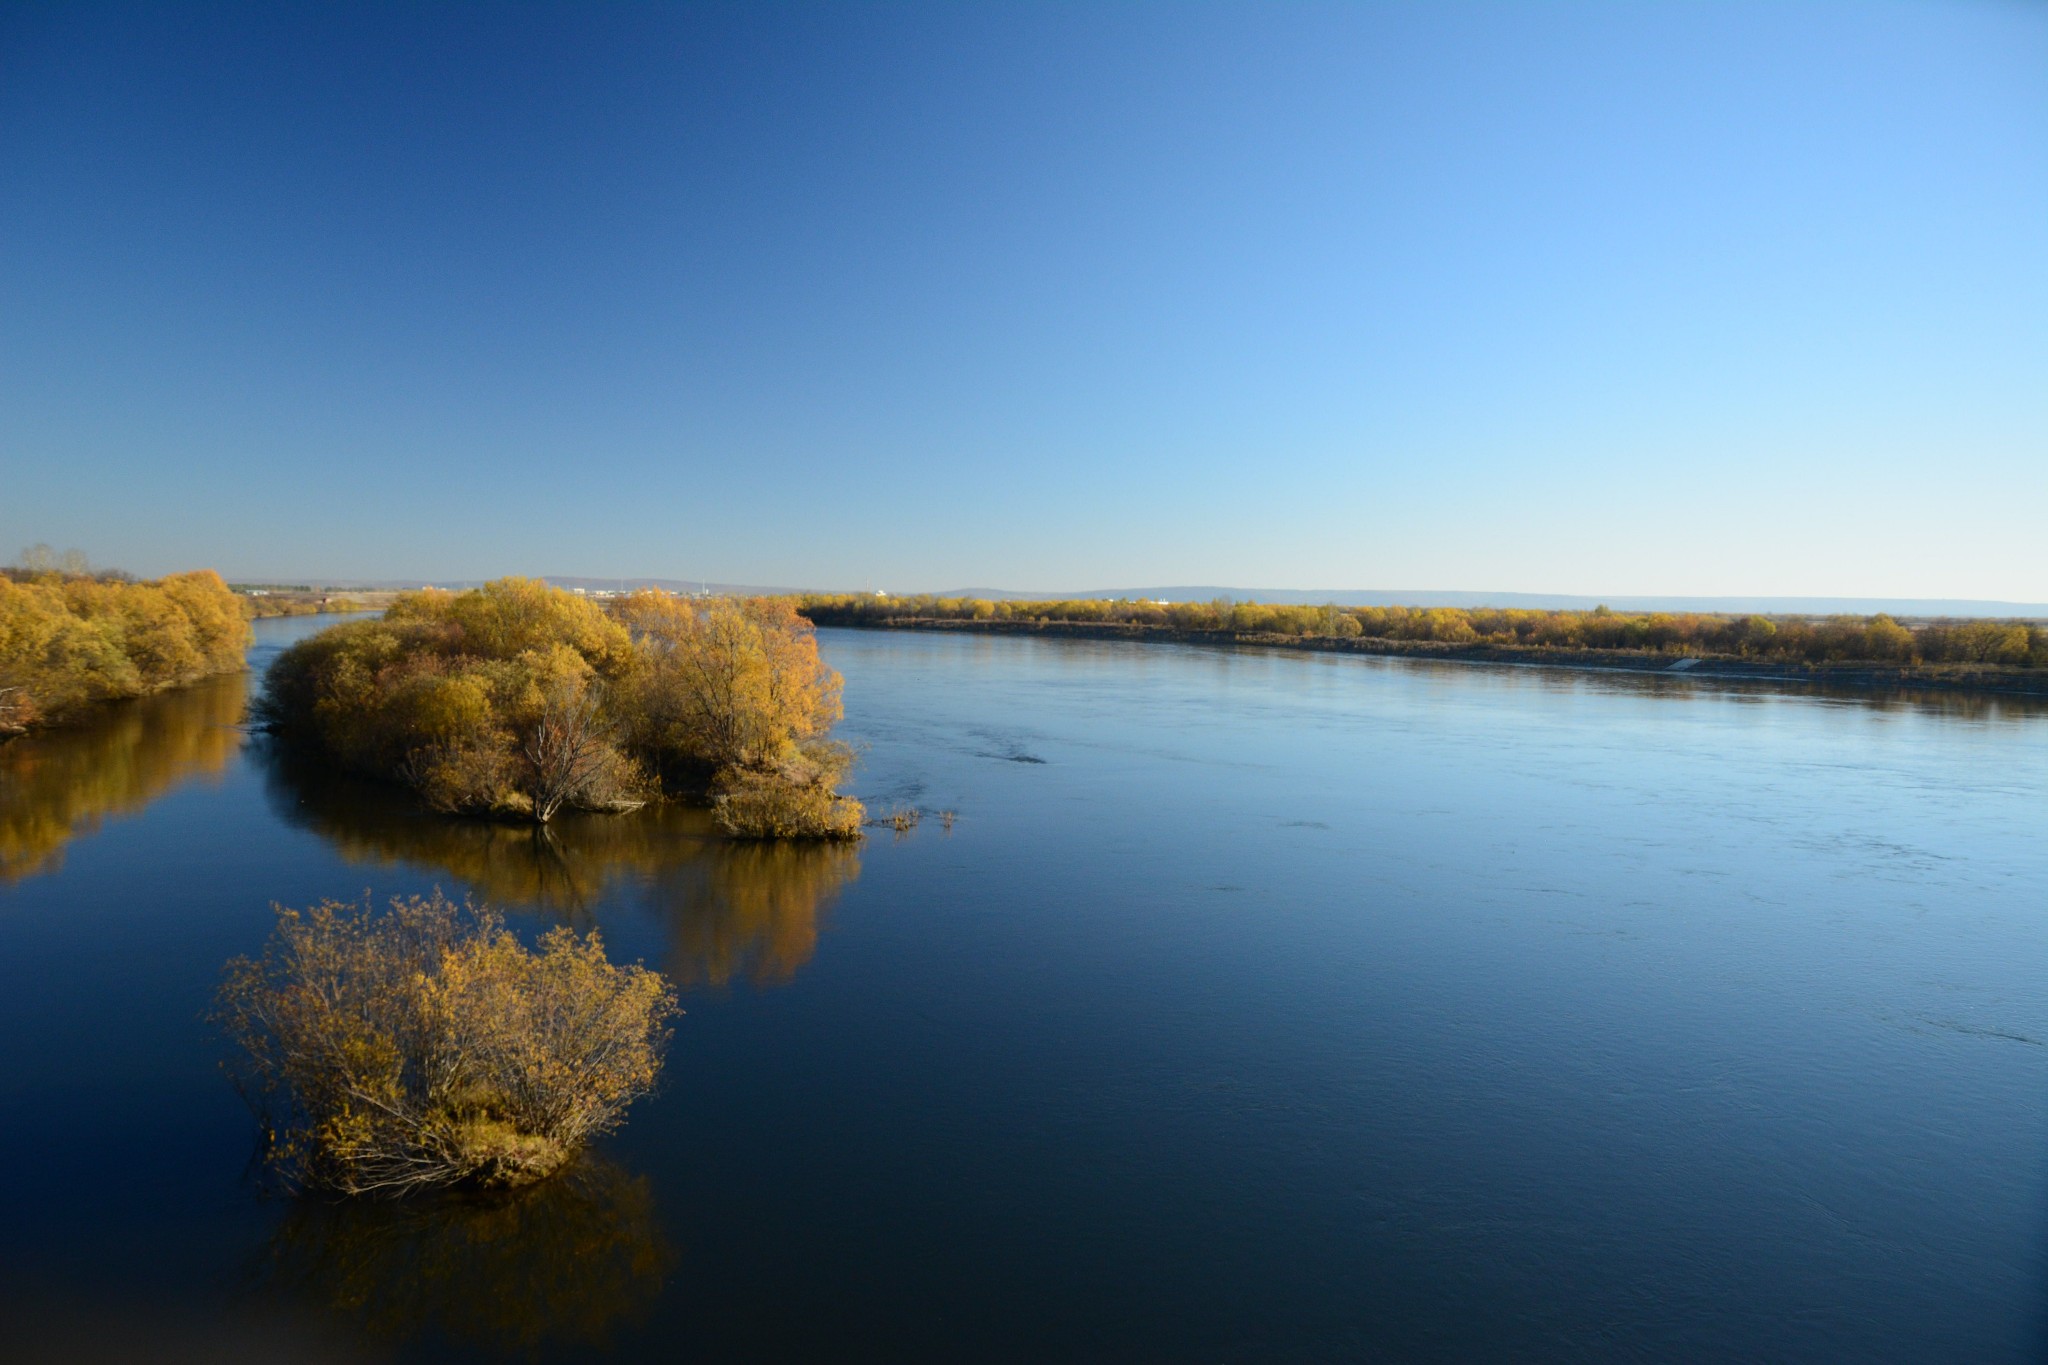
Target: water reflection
{"points": [[735, 910], [57, 786], [559, 1264], [750, 909]]}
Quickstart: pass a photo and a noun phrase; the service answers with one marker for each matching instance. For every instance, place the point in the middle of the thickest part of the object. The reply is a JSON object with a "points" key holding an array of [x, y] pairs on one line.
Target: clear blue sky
{"points": [[1609, 298]]}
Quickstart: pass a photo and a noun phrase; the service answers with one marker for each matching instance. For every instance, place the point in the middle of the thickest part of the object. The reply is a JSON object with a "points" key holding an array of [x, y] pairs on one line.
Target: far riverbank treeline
{"points": [[521, 700], [263, 605], [1853, 640], [71, 639]]}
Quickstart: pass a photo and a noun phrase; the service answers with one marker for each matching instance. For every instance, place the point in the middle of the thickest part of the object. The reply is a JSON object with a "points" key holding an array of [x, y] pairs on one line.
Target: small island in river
{"points": [[520, 700]]}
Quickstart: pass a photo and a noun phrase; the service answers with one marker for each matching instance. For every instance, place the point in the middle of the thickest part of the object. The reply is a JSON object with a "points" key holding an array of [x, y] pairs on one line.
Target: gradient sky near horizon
{"points": [[1679, 298]]}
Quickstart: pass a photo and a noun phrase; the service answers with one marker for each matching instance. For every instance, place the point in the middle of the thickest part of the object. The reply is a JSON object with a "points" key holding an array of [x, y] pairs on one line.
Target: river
{"points": [[1254, 1006]]}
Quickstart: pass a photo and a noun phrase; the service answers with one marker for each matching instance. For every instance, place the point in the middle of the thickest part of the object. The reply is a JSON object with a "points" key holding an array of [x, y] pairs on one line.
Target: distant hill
{"points": [[1343, 597]]}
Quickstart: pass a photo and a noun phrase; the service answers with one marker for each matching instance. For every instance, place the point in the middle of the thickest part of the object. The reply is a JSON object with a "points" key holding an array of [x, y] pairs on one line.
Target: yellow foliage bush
{"points": [[68, 641], [425, 1046], [520, 699], [723, 683], [790, 799]]}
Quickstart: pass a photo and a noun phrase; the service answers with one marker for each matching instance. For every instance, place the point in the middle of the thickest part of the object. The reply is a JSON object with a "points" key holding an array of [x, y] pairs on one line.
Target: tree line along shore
{"points": [[72, 636], [70, 639], [264, 603], [1975, 653]]}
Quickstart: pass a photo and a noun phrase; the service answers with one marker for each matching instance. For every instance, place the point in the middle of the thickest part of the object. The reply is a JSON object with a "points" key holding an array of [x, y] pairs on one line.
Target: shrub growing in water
{"points": [[790, 799], [521, 699], [425, 1046]]}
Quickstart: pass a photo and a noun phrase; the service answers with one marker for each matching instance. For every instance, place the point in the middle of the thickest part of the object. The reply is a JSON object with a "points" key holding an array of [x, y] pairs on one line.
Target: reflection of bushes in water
{"points": [[751, 909], [564, 867], [557, 1264], [736, 909], [58, 785]]}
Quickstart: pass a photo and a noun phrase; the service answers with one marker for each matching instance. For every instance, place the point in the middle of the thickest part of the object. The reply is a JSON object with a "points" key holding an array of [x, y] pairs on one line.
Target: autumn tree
{"points": [[567, 756], [736, 690], [727, 682]]}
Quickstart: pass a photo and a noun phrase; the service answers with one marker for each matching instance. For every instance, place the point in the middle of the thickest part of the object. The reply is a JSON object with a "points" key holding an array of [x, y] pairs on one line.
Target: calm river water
{"points": [[1258, 1006]]}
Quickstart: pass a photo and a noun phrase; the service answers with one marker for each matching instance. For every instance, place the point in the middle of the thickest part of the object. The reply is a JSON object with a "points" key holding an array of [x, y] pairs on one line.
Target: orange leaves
{"points": [[509, 616]]}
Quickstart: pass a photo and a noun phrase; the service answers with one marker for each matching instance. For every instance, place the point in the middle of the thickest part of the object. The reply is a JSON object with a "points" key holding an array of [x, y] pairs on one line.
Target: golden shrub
{"points": [[725, 682], [790, 799], [425, 1046]]}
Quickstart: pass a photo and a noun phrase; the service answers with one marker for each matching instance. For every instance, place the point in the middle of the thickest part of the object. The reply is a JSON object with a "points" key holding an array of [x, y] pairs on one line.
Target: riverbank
{"points": [[69, 641], [1976, 678], [264, 604]]}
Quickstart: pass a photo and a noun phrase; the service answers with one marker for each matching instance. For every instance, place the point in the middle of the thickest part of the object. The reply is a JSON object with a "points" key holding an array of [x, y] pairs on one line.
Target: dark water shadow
{"points": [[734, 909], [1960, 704], [558, 1267], [63, 784]]}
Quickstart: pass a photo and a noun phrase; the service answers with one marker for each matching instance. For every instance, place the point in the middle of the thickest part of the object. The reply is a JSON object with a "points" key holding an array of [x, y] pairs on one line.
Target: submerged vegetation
{"points": [[523, 700], [424, 1046], [1839, 639], [902, 819], [70, 638]]}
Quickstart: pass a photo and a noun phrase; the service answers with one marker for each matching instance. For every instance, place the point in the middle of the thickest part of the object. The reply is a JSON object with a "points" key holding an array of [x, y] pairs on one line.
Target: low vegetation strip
{"points": [[1978, 652], [517, 699], [262, 604], [71, 639]]}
